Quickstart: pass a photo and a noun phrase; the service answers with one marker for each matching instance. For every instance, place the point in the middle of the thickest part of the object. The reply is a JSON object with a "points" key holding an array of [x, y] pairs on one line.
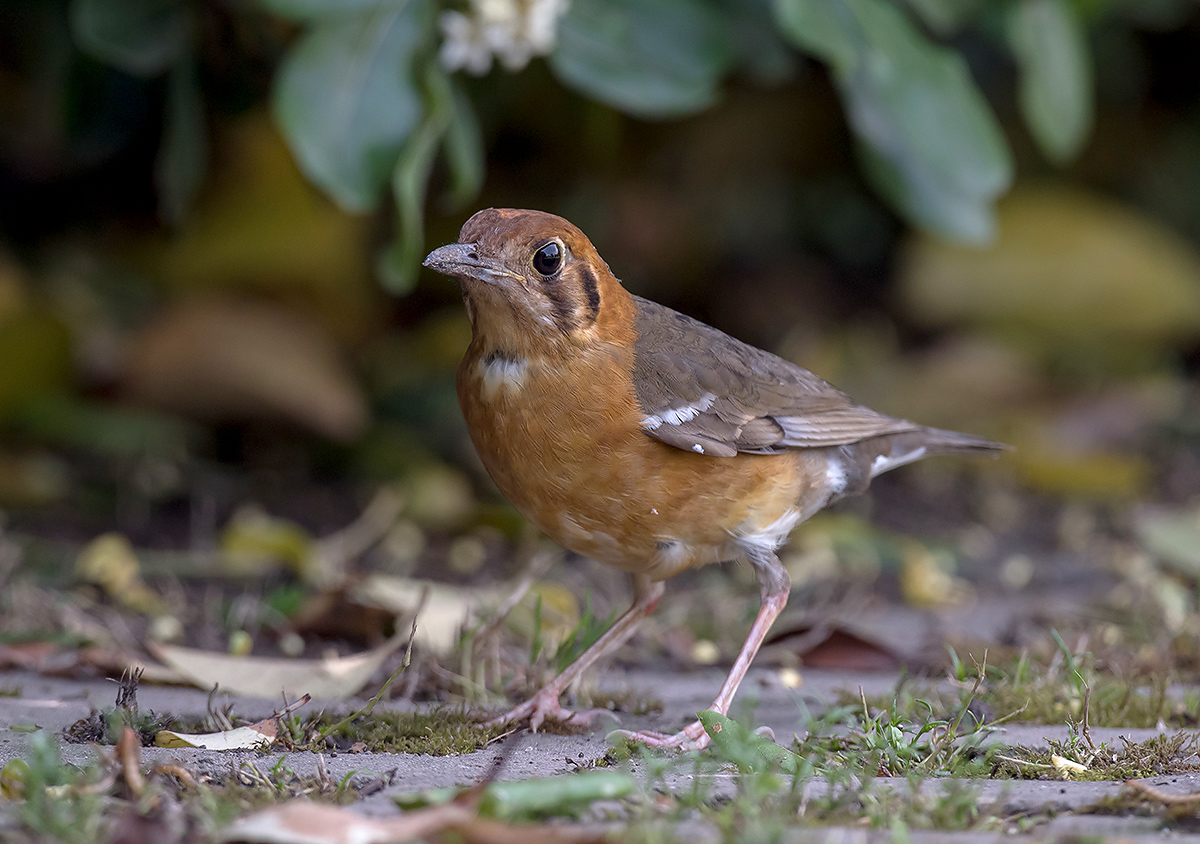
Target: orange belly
{"points": [[577, 464]]}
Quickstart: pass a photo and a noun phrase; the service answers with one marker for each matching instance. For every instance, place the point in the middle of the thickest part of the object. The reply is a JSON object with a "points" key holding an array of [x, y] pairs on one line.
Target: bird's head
{"points": [[530, 272]]}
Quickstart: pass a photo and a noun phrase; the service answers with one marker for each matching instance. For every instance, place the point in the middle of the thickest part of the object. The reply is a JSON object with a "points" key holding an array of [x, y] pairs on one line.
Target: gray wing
{"points": [[702, 390]]}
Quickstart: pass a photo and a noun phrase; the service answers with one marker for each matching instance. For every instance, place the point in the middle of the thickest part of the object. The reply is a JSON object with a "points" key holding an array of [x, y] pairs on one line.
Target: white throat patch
{"points": [[500, 373]]}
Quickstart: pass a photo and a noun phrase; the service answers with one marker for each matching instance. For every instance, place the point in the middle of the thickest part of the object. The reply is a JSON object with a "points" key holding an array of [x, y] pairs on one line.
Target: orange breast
{"points": [[563, 442]]}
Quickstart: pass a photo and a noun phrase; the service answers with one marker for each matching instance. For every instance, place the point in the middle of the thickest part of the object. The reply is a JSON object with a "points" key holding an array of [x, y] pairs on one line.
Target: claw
{"points": [[544, 707], [691, 737]]}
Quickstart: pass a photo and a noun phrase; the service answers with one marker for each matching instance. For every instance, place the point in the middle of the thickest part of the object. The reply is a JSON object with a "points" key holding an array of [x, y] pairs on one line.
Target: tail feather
{"points": [[888, 452]]}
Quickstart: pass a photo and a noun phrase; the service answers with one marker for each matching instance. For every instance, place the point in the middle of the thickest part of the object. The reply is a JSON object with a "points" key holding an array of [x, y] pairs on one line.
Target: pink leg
{"points": [[544, 705], [774, 583]]}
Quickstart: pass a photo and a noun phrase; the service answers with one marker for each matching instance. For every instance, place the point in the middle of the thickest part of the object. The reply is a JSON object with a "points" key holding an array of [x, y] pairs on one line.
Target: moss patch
{"points": [[1174, 754], [440, 732]]}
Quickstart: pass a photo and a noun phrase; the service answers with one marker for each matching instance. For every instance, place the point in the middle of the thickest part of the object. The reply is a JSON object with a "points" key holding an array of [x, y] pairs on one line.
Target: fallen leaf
{"points": [[335, 614], [36, 349], [832, 646], [258, 735], [536, 798], [1172, 536], [254, 542], [240, 738], [242, 359], [303, 822], [1100, 475], [1066, 767], [448, 611], [745, 748], [109, 561], [926, 579], [334, 678], [1071, 274]]}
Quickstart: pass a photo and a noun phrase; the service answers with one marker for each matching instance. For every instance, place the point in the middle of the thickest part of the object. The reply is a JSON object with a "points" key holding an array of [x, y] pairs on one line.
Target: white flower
{"points": [[513, 31], [463, 46]]}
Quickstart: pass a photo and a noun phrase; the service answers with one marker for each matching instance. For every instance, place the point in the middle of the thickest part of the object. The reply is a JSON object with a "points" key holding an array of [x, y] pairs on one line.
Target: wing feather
{"points": [[702, 390]]}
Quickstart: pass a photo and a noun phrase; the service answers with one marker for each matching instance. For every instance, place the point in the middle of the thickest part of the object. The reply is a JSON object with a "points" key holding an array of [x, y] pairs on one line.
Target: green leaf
{"points": [[536, 798], [1055, 89], [930, 143], [308, 10], [945, 17], [345, 100], [400, 262], [648, 58], [183, 154], [63, 420], [549, 796], [141, 37], [823, 29], [745, 748], [762, 54]]}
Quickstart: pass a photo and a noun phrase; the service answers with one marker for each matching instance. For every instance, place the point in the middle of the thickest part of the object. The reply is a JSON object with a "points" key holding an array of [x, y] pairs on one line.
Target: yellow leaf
{"points": [[255, 542], [109, 561], [260, 226], [559, 608], [926, 581], [1105, 475], [1071, 273], [1066, 767], [36, 350]]}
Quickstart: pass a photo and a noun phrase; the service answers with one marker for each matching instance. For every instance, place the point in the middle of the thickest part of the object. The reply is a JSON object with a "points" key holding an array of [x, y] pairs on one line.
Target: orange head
{"points": [[530, 277]]}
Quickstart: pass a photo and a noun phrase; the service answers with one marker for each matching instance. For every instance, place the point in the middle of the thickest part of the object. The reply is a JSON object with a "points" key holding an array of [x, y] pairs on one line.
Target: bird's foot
{"points": [[544, 707], [691, 737]]}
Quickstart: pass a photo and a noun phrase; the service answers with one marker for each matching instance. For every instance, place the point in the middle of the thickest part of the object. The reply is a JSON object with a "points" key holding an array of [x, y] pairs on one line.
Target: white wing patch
{"points": [[501, 374], [887, 462], [679, 415]]}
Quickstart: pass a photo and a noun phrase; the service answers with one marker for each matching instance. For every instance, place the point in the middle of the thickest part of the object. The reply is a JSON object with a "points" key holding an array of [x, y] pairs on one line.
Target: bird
{"points": [[652, 442]]}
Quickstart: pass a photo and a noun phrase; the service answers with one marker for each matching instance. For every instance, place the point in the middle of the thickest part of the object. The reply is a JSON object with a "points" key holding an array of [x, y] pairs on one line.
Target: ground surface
{"points": [[1065, 808]]}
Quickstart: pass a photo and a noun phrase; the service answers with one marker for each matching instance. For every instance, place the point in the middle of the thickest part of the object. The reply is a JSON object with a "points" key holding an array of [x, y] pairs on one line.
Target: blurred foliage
{"points": [[199, 200], [364, 93]]}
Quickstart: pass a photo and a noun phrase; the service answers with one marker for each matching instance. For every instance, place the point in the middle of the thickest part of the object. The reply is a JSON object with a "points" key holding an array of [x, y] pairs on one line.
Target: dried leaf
{"points": [[1066, 767], [234, 359], [449, 608], [1172, 536], [302, 822], [333, 678], [834, 646], [255, 737]]}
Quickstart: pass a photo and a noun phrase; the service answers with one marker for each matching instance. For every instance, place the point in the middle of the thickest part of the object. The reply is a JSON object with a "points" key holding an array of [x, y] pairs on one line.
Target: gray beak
{"points": [[455, 259], [463, 259]]}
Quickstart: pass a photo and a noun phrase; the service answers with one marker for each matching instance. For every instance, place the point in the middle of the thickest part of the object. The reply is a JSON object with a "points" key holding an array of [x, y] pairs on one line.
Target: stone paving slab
{"points": [[54, 704]]}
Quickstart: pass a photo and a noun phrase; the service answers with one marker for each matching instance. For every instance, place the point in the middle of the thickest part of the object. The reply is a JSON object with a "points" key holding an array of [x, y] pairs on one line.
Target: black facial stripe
{"points": [[592, 290], [560, 301]]}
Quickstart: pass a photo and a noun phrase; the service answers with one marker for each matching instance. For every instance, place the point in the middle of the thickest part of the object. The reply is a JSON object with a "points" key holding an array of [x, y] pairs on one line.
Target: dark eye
{"points": [[548, 258]]}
